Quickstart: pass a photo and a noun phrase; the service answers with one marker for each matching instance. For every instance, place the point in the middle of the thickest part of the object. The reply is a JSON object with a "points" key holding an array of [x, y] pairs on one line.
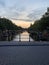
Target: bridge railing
{"points": [[24, 38], [9, 36]]}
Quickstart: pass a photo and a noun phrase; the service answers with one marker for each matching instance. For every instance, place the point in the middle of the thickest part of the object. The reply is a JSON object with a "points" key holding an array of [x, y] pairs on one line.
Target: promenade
{"points": [[24, 43], [24, 53]]}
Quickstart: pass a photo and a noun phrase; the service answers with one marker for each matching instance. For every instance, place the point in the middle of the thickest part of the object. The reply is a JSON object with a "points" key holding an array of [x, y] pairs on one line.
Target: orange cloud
{"points": [[22, 23]]}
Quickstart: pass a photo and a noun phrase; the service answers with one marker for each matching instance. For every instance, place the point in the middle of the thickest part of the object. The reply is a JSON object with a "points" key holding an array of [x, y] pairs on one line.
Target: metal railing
{"points": [[9, 36], [23, 38]]}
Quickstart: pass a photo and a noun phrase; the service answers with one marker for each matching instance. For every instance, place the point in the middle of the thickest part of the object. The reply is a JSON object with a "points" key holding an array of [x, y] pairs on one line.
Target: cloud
{"points": [[10, 10], [36, 14], [2, 3], [22, 14], [27, 20], [20, 10]]}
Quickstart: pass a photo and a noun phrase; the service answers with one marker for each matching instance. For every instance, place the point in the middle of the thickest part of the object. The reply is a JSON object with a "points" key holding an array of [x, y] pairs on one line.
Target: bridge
{"points": [[24, 53], [24, 43]]}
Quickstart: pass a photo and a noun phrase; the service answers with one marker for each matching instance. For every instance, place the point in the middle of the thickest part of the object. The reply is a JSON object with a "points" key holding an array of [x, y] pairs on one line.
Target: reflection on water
{"points": [[23, 37]]}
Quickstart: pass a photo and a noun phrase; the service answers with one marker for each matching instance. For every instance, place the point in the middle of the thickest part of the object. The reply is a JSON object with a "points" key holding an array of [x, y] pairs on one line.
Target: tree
{"points": [[6, 24]]}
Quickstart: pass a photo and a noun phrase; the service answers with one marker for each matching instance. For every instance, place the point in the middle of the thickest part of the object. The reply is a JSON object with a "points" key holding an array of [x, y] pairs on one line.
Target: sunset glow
{"points": [[23, 12], [23, 24]]}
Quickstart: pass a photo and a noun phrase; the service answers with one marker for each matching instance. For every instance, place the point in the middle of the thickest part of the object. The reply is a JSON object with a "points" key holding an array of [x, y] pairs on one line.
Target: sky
{"points": [[23, 12]]}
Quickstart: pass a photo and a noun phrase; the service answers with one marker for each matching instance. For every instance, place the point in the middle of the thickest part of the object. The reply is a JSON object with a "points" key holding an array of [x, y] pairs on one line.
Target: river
{"points": [[23, 37]]}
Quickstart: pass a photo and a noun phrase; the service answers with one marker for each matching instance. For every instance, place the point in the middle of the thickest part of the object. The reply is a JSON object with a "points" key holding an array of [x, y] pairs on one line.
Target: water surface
{"points": [[24, 37]]}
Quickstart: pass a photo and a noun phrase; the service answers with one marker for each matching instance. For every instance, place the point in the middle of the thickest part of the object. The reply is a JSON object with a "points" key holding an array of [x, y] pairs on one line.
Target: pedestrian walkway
{"points": [[24, 53], [24, 43]]}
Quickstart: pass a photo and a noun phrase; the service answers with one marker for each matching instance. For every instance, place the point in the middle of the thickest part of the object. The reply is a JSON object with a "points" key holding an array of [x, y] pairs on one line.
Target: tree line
{"points": [[8, 29], [40, 25], [6, 24], [40, 29]]}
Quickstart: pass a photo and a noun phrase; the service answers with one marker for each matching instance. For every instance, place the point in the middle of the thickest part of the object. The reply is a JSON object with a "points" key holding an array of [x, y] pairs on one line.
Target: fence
{"points": [[9, 36], [23, 38]]}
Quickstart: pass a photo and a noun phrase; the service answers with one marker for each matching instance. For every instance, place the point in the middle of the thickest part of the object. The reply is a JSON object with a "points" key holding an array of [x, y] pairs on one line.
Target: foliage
{"points": [[40, 25], [6, 24]]}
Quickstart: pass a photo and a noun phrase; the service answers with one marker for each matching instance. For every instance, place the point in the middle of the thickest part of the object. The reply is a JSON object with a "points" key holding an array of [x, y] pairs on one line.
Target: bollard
{"points": [[29, 38], [19, 37]]}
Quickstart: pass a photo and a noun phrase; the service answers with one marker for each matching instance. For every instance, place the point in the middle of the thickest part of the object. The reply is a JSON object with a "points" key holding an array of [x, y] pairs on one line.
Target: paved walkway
{"points": [[15, 43], [24, 53]]}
